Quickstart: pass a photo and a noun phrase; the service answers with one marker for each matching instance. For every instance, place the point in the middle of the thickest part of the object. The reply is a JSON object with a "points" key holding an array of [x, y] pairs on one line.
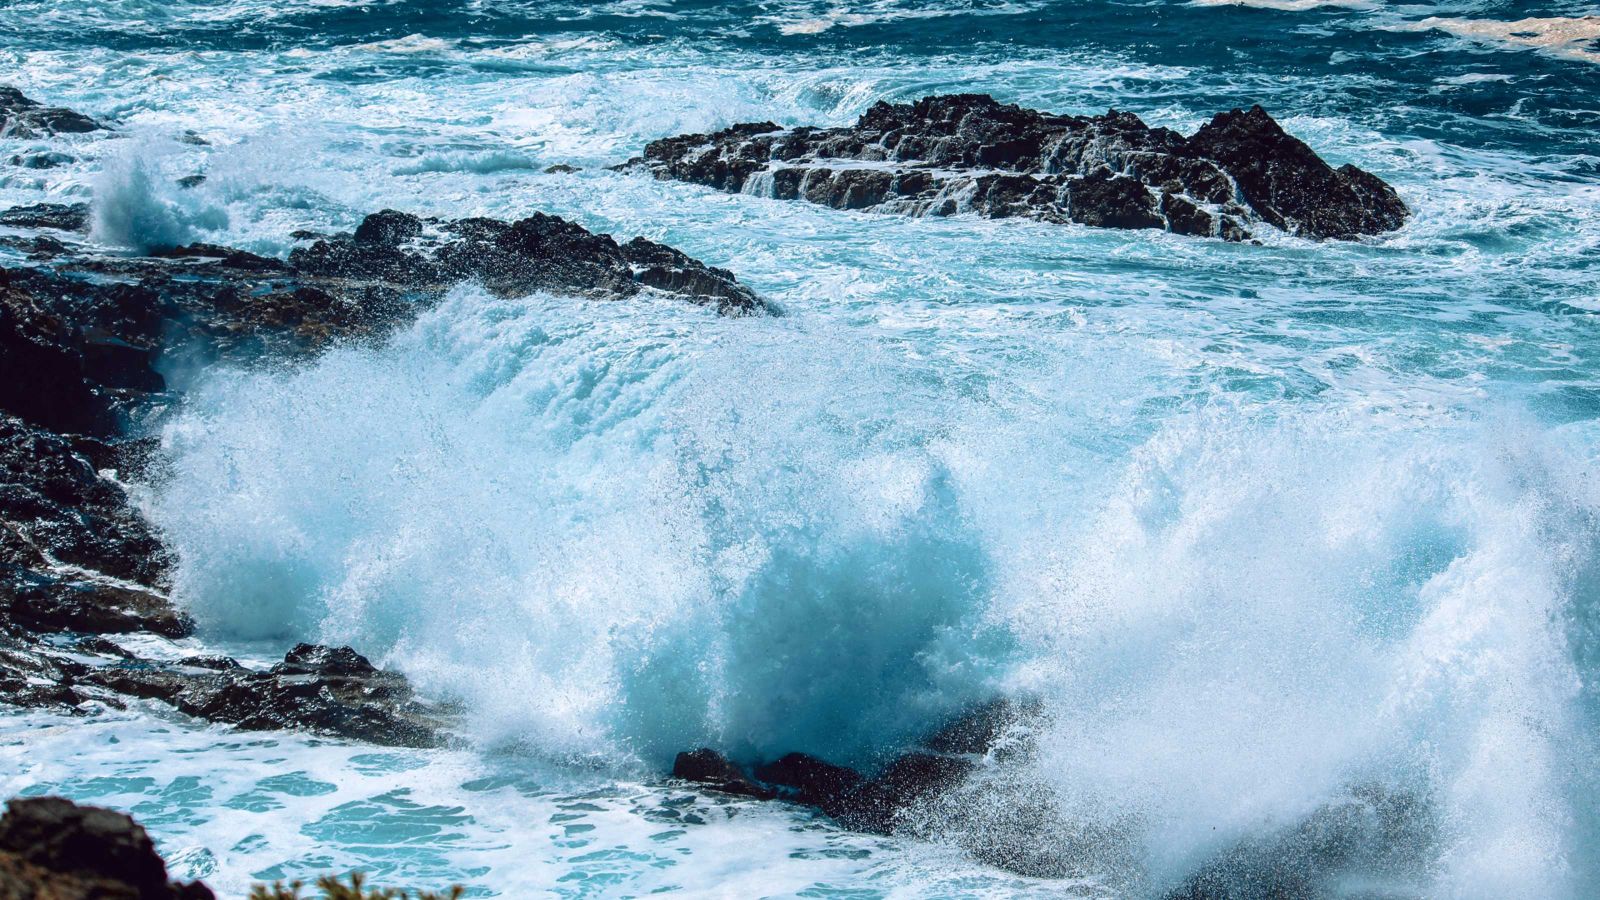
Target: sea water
{"points": [[1264, 527]]}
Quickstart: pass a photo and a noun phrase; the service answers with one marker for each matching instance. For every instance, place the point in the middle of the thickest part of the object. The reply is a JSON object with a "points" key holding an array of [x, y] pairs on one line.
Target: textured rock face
{"points": [[21, 117], [81, 342], [968, 152], [54, 849], [331, 691], [539, 253], [56, 216]]}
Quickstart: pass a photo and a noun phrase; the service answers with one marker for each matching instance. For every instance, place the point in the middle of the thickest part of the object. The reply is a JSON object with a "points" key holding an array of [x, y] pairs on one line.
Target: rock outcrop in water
{"points": [[539, 253], [968, 152], [83, 341], [54, 849], [889, 801], [22, 117]]}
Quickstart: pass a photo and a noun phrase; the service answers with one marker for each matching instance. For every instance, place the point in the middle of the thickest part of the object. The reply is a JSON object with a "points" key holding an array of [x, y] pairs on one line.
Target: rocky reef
{"points": [[22, 117], [968, 152], [84, 338]]}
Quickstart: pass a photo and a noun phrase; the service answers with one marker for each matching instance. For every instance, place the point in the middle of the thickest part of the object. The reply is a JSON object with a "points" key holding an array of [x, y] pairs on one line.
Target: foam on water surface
{"points": [[1273, 531]]}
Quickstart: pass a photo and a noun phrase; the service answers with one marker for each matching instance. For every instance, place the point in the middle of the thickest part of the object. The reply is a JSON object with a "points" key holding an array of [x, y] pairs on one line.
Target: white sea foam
{"points": [[1266, 526], [1575, 37]]}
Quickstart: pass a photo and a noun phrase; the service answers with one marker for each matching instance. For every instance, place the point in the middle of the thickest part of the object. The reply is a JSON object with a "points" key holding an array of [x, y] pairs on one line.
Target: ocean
{"points": [[1262, 527]]}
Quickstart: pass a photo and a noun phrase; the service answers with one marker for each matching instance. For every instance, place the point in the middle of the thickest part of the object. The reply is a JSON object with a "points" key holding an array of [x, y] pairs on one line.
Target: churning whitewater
{"points": [[1290, 548]]}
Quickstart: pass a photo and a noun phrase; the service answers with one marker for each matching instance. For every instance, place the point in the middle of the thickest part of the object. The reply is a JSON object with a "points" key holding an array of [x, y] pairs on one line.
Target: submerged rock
{"points": [[22, 117], [54, 849], [948, 154], [1378, 837], [46, 160]]}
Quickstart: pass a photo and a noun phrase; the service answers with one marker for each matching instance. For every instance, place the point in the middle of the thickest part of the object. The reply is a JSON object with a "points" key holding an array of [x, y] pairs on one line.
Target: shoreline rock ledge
{"points": [[970, 153]]}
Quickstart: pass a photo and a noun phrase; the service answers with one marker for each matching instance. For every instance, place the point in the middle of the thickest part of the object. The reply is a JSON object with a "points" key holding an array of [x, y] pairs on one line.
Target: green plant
{"points": [[333, 889]]}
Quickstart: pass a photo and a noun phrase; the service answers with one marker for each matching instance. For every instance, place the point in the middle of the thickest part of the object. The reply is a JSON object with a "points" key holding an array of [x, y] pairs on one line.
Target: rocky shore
{"points": [[968, 152], [84, 339]]}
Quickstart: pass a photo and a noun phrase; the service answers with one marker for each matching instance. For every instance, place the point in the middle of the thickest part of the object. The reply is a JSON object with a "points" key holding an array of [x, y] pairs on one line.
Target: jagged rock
{"points": [[877, 805], [982, 729], [79, 346], [60, 516], [561, 169], [189, 182], [331, 691], [54, 849], [1287, 184], [21, 117], [946, 154], [388, 227], [715, 771], [538, 253], [58, 216]]}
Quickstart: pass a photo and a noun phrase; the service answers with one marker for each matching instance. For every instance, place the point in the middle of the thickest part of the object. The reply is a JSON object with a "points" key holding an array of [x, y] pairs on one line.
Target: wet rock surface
{"points": [[968, 152], [83, 342], [55, 216], [54, 849], [538, 253], [330, 691], [24, 117], [893, 800]]}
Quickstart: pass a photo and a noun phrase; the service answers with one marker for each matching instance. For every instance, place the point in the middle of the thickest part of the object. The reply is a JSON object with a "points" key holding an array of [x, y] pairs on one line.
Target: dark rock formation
{"points": [[21, 117], [539, 253], [942, 155], [57, 216], [886, 802], [331, 691], [715, 771], [54, 849], [80, 344], [813, 782]]}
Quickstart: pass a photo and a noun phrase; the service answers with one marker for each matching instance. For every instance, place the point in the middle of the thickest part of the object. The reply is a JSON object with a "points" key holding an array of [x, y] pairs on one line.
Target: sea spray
{"points": [[137, 205], [542, 508]]}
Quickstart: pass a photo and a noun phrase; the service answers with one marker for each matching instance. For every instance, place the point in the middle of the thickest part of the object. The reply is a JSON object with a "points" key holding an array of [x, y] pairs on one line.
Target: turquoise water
{"points": [[1262, 526]]}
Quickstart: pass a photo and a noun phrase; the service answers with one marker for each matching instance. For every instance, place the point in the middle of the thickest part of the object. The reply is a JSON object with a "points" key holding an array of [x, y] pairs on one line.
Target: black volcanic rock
{"points": [[388, 227], [948, 154], [715, 771], [54, 849], [21, 117]]}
